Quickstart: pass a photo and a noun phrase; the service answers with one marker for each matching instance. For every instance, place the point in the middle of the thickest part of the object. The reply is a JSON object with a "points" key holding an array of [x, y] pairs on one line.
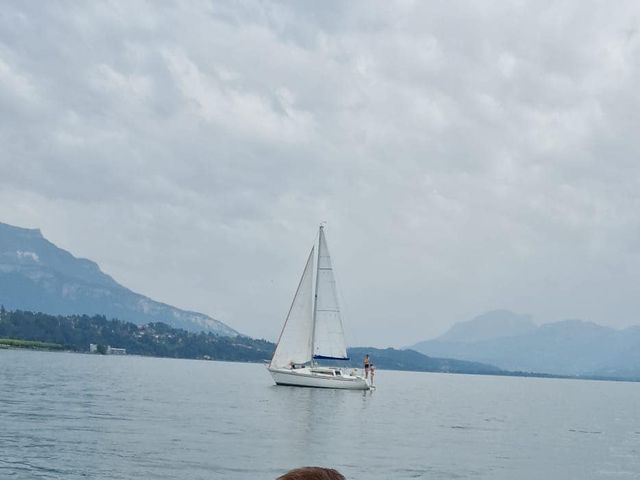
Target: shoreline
{"points": [[60, 349]]}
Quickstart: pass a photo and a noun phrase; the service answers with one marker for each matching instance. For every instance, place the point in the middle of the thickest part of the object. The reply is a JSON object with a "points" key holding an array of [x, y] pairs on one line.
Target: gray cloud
{"points": [[466, 156]]}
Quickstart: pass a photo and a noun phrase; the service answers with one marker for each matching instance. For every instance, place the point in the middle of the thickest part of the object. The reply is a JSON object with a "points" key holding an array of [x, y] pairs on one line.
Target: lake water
{"points": [[78, 416]]}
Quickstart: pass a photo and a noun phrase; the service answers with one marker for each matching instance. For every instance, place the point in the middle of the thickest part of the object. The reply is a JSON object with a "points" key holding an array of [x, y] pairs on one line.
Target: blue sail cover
{"points": [[322, 357]]}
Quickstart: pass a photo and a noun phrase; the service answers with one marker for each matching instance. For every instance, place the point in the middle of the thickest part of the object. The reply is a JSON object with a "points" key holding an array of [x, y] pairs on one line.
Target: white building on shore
{"points": [[93, 348]]}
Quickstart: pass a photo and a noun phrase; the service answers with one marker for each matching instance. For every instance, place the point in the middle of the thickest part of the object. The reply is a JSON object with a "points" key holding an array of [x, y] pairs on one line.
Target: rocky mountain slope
{"points": [[37, 275]]}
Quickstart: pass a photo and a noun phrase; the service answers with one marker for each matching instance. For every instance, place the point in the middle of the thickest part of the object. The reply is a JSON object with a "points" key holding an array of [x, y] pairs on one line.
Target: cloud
{"points": [[466, 157], [271, 119]]}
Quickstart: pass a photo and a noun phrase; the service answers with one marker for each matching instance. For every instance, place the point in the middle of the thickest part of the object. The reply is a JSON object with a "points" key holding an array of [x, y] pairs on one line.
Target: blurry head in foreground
{"points": [[312, 473]]}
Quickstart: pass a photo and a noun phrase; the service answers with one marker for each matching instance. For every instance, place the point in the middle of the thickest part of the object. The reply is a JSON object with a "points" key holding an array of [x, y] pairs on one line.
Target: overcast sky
{"points": [[466, 156]]}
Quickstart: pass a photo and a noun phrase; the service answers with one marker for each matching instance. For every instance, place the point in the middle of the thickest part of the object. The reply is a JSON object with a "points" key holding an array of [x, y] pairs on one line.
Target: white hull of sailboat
{"points": [[319, 378]]}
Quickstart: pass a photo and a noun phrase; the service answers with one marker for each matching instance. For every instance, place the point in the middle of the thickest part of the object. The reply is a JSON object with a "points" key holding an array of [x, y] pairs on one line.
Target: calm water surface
{"points": [[77, 416]]}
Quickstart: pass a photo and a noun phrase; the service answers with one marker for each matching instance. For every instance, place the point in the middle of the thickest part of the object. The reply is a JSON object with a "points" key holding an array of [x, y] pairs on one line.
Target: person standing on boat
{"points": [[367, 365]]}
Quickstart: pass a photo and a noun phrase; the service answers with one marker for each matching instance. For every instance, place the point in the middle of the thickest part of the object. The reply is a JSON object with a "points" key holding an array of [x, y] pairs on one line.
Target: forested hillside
{"points": [[76, 332]]}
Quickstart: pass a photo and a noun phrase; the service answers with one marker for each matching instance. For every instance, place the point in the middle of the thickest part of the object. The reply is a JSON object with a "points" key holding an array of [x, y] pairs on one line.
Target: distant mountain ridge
{"points": [[76, 332], [568, 347], [411, 360], [495, 324], [37, 275]]}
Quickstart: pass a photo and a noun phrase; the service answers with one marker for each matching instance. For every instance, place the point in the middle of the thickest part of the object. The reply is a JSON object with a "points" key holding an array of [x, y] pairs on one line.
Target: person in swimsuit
{"points": [[367, 365]]}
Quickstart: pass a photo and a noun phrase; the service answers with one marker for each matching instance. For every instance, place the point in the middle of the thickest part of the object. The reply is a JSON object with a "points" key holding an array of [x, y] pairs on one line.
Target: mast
{"points": [[315, 296]]}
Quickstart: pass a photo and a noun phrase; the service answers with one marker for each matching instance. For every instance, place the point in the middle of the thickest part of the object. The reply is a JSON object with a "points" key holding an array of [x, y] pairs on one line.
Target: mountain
{"points": [[75, 332], [568, 347], [37, 275], [495, 324], [392, 359]]}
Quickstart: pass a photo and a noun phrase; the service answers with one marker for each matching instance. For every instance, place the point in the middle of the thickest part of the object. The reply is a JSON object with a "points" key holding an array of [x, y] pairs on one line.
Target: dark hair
{"points": [[312, 473]]}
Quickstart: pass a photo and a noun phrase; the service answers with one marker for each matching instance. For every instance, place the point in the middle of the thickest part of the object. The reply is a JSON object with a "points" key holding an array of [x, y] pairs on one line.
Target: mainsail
{"points": [[328, 333], [295, 342]]}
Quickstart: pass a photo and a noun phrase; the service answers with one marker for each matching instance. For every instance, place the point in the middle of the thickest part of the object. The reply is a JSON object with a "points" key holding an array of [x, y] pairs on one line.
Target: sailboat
{"points": [[313, 330]]}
